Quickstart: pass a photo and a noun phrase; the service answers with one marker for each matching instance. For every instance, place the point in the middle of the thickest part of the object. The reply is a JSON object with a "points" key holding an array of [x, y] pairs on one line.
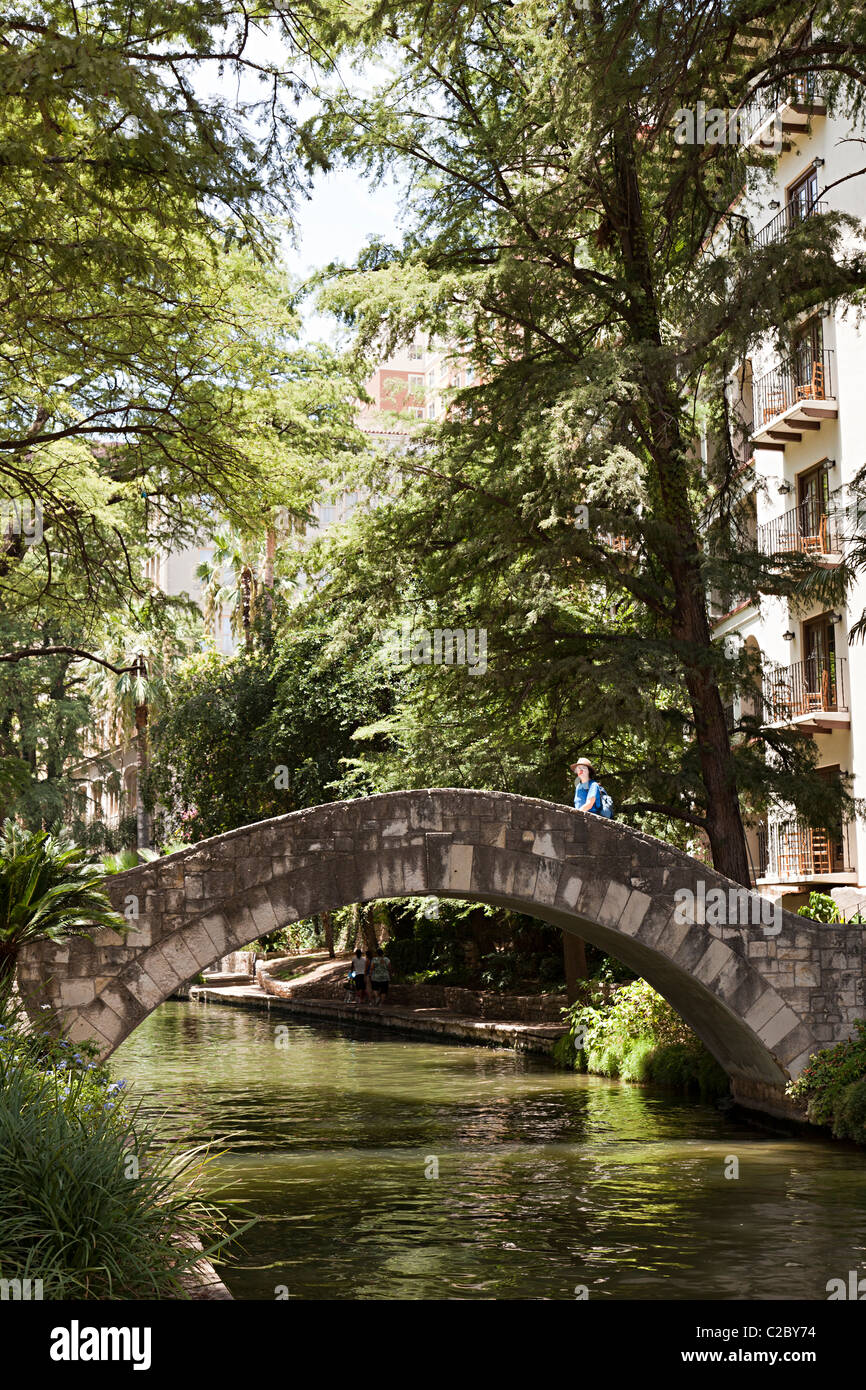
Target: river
{"points": [[384, 1168]]}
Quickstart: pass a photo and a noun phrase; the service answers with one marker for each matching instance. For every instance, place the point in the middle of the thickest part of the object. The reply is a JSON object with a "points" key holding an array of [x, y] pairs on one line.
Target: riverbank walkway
{"points": [[426, 1022]]}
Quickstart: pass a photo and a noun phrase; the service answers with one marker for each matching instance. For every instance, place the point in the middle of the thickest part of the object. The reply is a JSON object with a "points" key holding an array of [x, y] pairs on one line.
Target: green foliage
{"points": [[127, 859], [92, 1202], [821, 908], [256, 735], [826, 1080], [49, 890], [639, 1037], [71, 1214], [566, 242], [849, 1112]]}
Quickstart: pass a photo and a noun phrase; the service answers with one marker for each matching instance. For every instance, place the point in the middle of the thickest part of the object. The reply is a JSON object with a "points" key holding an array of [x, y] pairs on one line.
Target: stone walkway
{"points": [[400, 1018]]}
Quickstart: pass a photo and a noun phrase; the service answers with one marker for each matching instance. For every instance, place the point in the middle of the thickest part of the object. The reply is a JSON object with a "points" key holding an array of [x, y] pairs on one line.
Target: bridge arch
{"points": [[762, 998]]}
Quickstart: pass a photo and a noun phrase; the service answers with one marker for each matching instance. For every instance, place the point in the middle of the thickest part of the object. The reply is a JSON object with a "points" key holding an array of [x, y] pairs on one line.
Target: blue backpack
{"points": [[606, 803]]}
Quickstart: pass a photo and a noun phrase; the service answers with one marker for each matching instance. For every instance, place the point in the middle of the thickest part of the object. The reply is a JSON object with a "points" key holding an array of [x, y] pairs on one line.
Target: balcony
{"points": [[791, 215], [793, 853], [811, 695], [813, 527], [793, 399], [794, 102]]}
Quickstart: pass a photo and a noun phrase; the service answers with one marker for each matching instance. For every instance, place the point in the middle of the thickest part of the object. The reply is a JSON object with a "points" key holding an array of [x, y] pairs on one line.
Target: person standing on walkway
{"points": [[380, 977], [587, 792], [358, 968]]}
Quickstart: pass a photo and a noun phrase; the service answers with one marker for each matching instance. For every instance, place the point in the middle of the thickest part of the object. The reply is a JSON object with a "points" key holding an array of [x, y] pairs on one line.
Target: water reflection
{"points": [[547, 1180]]}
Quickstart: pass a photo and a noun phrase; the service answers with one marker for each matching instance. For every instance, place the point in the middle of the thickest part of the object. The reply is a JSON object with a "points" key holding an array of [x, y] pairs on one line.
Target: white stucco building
{"points": [[805, 418]]}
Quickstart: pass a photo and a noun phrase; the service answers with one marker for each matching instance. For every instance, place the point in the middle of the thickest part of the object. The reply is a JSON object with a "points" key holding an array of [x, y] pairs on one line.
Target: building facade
{"points": [[805, 423]]}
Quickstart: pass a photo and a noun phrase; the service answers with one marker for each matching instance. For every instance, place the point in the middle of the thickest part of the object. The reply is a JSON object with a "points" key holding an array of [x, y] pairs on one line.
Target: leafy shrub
{"points": [[849, 1112], [821, 908], [828, 1074], [502, 969], [639, 1037]]}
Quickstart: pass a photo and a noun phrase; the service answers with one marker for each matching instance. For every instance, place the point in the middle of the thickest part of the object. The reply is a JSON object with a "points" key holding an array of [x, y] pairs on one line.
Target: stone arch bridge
{"points": [[762, 996]]}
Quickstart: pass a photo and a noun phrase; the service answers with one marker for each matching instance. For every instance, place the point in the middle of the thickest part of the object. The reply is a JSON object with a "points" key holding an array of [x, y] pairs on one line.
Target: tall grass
{"points": [[639, 1037], [91, 1202]]}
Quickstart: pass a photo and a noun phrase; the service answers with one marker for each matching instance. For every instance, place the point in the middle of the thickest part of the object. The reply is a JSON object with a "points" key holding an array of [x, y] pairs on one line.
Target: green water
{"points": [[547, 1181]]}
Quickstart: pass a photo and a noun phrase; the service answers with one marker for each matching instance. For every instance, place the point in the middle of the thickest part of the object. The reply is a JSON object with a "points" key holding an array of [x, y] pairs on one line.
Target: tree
{"points": [[258, 734], [146, 379], [580, 256]]}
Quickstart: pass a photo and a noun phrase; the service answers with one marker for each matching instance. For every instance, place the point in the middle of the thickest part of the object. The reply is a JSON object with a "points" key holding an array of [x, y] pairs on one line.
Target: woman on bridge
{"points": [[587, 793]]}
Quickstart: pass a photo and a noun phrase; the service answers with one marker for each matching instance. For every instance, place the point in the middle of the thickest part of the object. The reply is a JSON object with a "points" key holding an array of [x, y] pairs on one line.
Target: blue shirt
{"points": [[582, 794]]}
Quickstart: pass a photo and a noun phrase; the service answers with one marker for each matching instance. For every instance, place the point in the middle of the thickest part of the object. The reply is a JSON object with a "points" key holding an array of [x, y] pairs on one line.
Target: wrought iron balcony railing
{"points": [[802, 378], [801, 92], [792, 850], [792, 214], [813, 527], [805, 687]]}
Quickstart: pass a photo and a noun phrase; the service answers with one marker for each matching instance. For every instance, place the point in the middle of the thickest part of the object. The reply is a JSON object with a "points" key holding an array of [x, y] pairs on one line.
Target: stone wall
{"points": [[537, 1008]]}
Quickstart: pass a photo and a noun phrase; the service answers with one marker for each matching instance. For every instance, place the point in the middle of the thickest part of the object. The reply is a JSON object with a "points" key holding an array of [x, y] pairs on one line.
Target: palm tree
{"points": [[144, 645], [49, 890], [241, 593]]}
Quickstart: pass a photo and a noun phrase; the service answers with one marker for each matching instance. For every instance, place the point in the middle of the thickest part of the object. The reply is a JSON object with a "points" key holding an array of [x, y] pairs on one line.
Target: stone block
{"points": [[525, 876], [217, 927], [765, 1007], [613, 903], [778, 1027], [460, 868], [180, 958], [635, 911], [547, 881], [493, 871], [711, 962], [569, 888], [438, 858], [672, 936], [146, 990], [74, 993], [162, 972], [262, 912]]}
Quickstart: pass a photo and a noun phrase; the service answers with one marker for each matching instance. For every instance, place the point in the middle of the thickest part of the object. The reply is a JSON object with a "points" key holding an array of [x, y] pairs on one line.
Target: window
{"points": [[415, 353], [813, 499], [809, 357], [802, 196], [819, 650]]}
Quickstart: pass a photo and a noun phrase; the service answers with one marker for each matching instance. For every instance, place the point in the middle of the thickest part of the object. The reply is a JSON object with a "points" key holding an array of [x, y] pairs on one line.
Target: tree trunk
{"points": [[270, 554], [328, 924], [574, 955], [679, 550], [246, 603], [142, 820]]}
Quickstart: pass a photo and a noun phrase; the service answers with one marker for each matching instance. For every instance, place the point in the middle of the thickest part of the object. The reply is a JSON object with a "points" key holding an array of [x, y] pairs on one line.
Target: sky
{"points": [[344, 210], [333, 225]]}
